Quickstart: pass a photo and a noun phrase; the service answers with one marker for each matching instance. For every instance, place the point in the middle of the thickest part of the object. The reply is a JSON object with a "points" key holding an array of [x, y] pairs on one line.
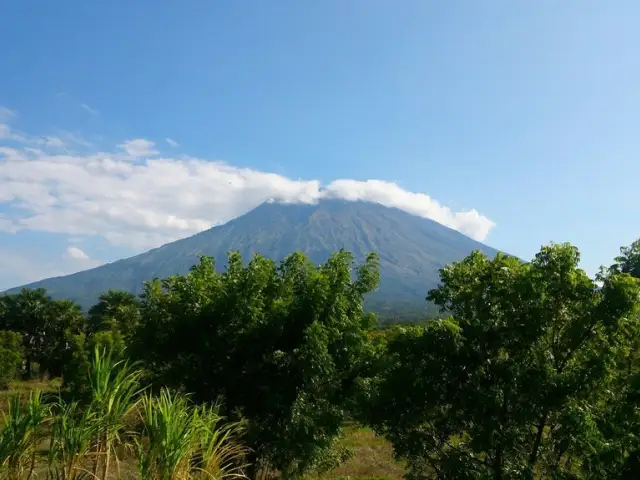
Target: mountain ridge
{"points": [[411, 249]]}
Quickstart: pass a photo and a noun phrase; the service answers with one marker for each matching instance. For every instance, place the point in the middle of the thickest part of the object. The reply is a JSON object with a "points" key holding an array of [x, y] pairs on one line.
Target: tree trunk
{"points": [[497, 464], [533, 458], [498, 459], [27, 369]]}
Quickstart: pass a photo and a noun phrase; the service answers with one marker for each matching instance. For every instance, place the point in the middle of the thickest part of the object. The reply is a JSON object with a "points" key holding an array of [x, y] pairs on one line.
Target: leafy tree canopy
{"points": [[286, 345], [45, 325], [514, 384]]}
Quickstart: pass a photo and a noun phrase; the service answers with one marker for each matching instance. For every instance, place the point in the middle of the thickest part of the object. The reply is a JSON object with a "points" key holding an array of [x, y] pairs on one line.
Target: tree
{"points": [[10, 356], [78, 357], [512, 384], [628, 261], [285, 345], [617, 451], [115, 310], [45, 324]]}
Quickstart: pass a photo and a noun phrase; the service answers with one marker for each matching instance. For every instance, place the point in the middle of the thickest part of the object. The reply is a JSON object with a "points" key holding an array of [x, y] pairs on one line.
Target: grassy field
{"points": [[372, 455]]}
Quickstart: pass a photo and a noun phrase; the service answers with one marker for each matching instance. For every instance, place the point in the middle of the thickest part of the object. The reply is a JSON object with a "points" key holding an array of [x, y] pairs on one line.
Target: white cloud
{"points": [[52, 142], [75, 253], [151, 201], [172, 142], [87, 108], [20, 267], [7, 114], [139, 147], [469, 222], [6, 224], [9, 134]]}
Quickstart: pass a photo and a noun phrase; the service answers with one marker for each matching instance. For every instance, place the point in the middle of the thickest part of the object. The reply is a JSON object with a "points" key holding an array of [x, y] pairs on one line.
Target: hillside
{"points": [[411, 250]]}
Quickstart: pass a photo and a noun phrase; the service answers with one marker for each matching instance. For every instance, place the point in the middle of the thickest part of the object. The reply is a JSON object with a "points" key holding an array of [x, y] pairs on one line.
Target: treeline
{"points": [[534, 372]]}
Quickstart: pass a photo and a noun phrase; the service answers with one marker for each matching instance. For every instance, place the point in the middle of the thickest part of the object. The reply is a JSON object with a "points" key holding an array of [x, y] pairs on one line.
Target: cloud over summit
{"points": [[155, 199]]}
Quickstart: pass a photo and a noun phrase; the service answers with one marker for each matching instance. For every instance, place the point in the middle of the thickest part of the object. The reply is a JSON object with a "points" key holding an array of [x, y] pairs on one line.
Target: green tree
{"points": [[513, 383], [45, 324], [115, 310], [11, 356], [615, 452], [628, 261], [110, 324], [78, 357], [284, 344]]}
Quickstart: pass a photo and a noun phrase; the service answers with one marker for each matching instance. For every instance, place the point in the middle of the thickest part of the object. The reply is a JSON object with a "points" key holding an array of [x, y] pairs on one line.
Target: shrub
{"points": [[11, 356]]}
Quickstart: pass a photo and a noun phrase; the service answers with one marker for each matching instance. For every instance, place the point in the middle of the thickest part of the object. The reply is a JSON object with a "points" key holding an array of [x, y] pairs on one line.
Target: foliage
{"points": [[175, 440], [45, 325], [533, 372], [72, 439], [81, 348], [23, 428], [285, 345], [115, 310], [186, 442], [628, 261], [509, 386], [11, 356], [113, 387]]}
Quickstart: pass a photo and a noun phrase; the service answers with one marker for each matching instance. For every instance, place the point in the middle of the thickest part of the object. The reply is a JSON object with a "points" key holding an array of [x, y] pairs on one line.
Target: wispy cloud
{"points": [[139, 147], [8, 134], [152, 200], [76, 253], [79, 260], [172, 142], [19, 267], [91, 111], [7, 114]]}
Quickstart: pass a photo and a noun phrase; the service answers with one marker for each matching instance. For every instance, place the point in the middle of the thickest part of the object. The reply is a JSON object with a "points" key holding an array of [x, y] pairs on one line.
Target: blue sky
{"points": [[129, 124]]}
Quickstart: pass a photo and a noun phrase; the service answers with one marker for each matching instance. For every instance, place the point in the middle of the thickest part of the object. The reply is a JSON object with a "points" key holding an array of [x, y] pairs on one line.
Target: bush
{"points": [[11, 356], [80, 347]]}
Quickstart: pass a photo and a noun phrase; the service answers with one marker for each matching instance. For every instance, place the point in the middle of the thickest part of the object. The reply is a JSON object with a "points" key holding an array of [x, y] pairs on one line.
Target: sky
{"points": [[126, 125]]}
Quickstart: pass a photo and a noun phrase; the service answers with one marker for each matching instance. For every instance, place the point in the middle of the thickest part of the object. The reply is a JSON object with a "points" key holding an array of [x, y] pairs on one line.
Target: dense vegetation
{"points": [[533, 371]]}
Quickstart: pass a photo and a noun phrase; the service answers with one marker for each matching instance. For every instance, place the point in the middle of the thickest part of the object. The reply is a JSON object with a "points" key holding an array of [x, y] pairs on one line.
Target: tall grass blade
{"points": [[114, 388], [221, 456], [23, 429], [72, 435]]}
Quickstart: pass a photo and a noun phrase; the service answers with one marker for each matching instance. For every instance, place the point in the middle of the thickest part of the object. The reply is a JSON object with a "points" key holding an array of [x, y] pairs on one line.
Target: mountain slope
{"points": [[411, 248]]}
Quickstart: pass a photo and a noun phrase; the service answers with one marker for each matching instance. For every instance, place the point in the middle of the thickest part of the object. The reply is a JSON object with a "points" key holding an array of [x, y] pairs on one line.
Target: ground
{"points": [[372, 457]]}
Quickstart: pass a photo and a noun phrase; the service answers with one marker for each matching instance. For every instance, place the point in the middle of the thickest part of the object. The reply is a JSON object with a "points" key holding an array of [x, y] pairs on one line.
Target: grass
{"points": [[372, 457], [24, 388]]}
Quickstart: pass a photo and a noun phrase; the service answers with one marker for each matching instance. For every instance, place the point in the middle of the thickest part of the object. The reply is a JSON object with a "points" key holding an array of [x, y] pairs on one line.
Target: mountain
{"points": [[411, 250]]}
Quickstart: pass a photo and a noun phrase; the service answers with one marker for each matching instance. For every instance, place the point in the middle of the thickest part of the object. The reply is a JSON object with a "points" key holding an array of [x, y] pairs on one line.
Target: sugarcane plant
{"points": [[114, 389], [24, 427], [174, 439], [186, 442]]}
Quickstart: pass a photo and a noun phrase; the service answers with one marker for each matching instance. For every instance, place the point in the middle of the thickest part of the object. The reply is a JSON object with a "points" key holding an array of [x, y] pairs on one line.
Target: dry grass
{"points": [[372, 457], [24, 388]]}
